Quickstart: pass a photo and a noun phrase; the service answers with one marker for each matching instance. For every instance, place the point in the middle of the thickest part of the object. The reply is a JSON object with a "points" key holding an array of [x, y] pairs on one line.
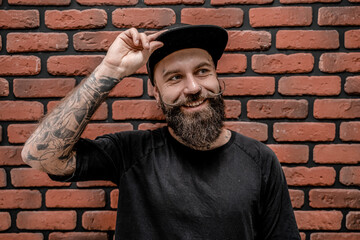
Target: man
{"points": [[191, 180]]}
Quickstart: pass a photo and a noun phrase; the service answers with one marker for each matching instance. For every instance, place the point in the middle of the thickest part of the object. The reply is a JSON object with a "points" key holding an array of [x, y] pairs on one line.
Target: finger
{"points": [[155, 45], [134, 35], [153, 36], [144, 41]]}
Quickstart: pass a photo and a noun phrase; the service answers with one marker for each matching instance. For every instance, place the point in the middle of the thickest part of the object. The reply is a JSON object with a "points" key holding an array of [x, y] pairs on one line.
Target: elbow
{"points": [[29, 159]]}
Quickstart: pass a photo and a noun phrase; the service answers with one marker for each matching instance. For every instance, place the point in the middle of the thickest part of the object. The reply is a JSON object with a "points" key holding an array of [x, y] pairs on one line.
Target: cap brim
{"points": [[211, 38]]}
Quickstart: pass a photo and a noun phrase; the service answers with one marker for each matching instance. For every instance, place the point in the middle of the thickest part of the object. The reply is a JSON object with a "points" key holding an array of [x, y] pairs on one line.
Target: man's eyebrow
{"points": [[203, 64], [166, 73]]}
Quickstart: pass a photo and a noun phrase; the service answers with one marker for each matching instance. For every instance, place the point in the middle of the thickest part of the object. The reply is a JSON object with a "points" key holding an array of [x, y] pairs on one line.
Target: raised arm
{"points": [[50, 147]]}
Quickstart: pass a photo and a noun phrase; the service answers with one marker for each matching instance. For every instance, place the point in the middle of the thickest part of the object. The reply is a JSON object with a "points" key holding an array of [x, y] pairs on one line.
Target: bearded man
{"points": [[193, 179]]}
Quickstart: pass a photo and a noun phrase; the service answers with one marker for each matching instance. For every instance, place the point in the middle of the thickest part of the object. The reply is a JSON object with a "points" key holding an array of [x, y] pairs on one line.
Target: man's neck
{"points": [[223, 138]]}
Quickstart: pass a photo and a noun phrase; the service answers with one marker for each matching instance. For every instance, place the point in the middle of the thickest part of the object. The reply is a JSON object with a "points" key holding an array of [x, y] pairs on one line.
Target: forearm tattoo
{"points": [[53, 141]]}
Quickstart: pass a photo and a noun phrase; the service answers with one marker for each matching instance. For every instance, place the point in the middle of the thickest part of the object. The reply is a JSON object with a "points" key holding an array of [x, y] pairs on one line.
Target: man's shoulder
{"points": [[257, 150]]}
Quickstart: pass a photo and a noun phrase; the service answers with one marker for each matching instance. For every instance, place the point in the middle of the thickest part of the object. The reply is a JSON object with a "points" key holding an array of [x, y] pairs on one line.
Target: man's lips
{"points": [[194, 104]]}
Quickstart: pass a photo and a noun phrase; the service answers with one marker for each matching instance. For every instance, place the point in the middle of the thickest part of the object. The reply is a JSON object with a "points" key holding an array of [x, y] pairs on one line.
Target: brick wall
{"points": [[291, 70]]}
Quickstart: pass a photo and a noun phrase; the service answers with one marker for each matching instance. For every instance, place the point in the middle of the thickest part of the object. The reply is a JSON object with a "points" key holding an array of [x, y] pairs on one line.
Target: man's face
{"points": [[187, 88]]}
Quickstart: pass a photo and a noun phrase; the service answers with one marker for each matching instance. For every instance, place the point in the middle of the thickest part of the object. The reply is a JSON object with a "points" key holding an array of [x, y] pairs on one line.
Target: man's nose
{"points": [[191, 85]]}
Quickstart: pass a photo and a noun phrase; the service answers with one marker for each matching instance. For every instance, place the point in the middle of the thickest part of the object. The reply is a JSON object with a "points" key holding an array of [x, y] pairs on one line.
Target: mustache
{"points": [[199, 96]]}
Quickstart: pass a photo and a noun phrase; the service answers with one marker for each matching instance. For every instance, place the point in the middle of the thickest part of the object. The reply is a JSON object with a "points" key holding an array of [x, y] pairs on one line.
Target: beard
{"points": [[197, 129]]}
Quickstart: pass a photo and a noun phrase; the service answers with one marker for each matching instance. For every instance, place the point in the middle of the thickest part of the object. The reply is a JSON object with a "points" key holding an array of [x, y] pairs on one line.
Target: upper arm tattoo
{"points": [[52, 142]]}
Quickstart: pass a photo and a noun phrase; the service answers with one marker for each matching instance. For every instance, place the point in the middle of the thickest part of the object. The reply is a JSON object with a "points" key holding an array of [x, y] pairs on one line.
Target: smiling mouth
{"points": [[194, 104]]}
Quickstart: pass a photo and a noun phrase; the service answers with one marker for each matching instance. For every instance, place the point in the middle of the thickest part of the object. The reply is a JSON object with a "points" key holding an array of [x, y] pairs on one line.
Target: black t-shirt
{"points": [[170, 191]]}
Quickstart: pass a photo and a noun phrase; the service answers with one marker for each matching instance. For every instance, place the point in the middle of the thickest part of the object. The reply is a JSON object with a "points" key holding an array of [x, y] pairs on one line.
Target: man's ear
{"points": [[157, 95]]}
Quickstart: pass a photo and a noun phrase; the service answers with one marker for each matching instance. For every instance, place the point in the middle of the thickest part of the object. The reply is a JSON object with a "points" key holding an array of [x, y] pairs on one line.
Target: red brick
{"points": [[100, 114], [339, 16], [19, 19], [72, 65], [232, 63], [334, 198], [318, 220], [128, 87], [337, 154], [352, 221], [93, 130], [232, 108], [307, 39], [21, 236], [19, 65], [25, 199], [280, 16], [277, 108], [258, 131], [75, 19], [173, 2], [316, 176], [94, 41], [335, 236], [339, 62], [136, 109], [40, 3], [46, 220], [308, 1], [29, 177], [248, 40], [107, 2], [151, 126], [10, 156], [306, 131], [21, 110], [43, 87], [5, 221], [99, 220], [224, 17], [75, 198], [229, 2], [289, 153], [337, 108], [78, 236], [350, 176], [99, 183], [281, 63], [19, 133], [352, 85], [4, 87], [114, 197], [162, 2], [350, 131], [352, 39], [36, 42], [3, 181], [249, 86], [310, 85], [143, 17], [297, 198]]}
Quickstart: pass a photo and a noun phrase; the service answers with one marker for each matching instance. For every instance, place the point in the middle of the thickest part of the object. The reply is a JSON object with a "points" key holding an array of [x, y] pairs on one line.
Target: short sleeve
{"points": [[98, 159], [277, 215]]}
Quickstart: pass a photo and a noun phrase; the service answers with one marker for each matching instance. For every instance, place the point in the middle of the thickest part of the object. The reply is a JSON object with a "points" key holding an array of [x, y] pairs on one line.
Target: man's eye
{"points": [[203, 71], [175, 77]]}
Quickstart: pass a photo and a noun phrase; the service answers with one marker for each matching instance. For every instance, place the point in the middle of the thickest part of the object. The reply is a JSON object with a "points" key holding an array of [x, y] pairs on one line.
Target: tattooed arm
{"points": [[50, 147]]}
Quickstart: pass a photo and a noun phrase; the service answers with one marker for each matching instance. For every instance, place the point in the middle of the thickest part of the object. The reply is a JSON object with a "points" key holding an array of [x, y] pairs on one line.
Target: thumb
{"points": [[155, 45]]}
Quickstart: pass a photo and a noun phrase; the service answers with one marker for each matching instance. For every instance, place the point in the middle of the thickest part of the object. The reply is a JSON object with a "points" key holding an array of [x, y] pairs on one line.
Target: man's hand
{"points": [[130, 51]]}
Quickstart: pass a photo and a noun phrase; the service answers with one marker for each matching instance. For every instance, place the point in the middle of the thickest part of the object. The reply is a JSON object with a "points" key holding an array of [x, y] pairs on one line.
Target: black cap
{"points": [[211, 38]]}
